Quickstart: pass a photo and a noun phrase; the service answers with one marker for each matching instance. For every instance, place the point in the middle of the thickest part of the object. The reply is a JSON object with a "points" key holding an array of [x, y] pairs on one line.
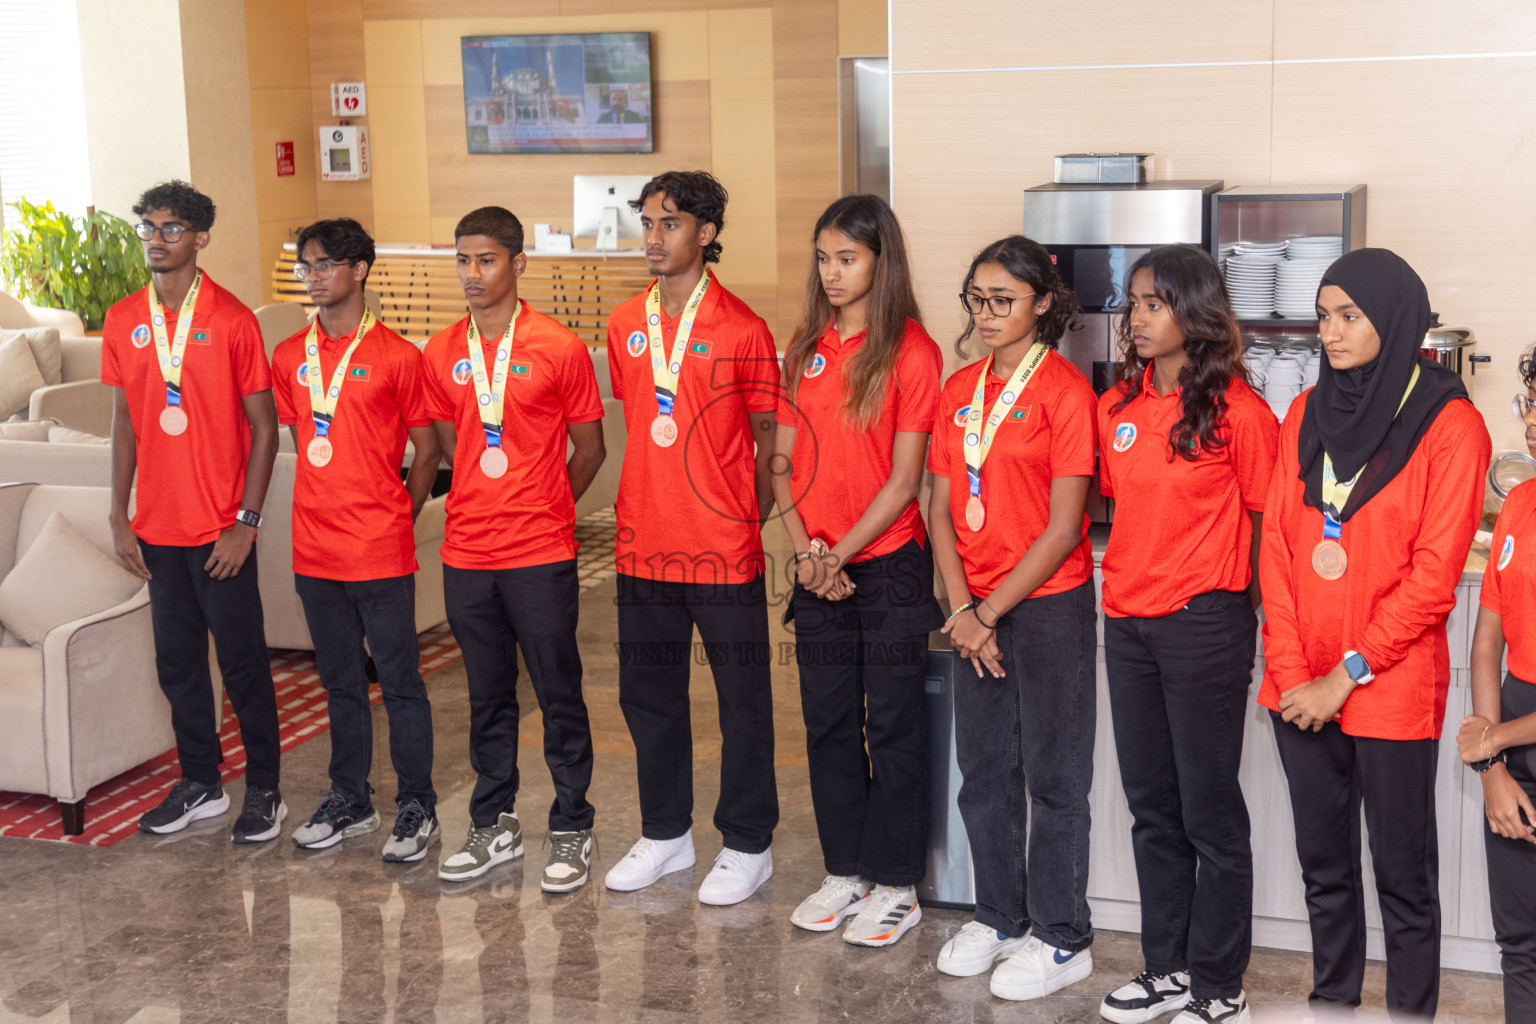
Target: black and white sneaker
{"points": [[415, 830], [261, 818], [1215, 1011], [187, 802], [334, 820], [1145, 997]]}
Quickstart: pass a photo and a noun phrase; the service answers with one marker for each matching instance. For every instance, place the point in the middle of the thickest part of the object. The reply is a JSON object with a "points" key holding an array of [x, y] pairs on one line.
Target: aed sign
{"points": [[344, 153], [348, 99]]}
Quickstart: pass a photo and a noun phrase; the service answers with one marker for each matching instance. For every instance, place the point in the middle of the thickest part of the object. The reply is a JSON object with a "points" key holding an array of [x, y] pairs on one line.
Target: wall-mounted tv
{"points": [[587, 93]]}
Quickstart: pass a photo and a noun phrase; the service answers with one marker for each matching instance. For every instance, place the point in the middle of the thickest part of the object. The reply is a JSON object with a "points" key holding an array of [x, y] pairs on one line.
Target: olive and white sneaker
{"points": [[1038, 969], [1146, 997], [570, 861], [415, 830], [975, 948], [336, 818], [891, 911], [1215, 1011], [824, 909], [484, 848], [187, 802]]}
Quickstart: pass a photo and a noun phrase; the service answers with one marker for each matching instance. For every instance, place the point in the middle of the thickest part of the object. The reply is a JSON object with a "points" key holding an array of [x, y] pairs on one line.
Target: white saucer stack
{"points": [[1298, 275], [1250, 274]]}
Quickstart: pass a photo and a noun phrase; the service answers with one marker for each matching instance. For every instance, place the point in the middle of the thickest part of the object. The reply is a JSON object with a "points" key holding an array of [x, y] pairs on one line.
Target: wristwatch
{"points": [[1483, 766], [249, 518], [1357, 668]]}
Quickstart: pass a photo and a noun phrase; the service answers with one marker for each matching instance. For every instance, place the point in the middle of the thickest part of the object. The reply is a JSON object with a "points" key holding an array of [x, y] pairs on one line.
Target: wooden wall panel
{"points": [[1313, 29], [861, 28], [277, 51]]}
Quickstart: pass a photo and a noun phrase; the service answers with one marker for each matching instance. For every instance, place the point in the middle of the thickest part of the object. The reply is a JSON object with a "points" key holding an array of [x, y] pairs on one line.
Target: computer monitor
{"points": [[596, 193]]}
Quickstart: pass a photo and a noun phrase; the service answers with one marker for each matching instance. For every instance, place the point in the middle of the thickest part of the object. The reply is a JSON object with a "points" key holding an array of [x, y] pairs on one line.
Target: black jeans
{"points": [[492, 612], [656, 621], [1039, 716], [1512, 873], [340, 614], [1330, 774], [186, 604], [1178, 695], [862, 661]]}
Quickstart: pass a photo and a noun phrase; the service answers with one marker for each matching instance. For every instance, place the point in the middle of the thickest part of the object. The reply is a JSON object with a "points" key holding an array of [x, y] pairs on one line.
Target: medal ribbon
{"points": [[322, 400], [1335, 491], [977, 446], [666, 371], [490, 394], [172, 352]]}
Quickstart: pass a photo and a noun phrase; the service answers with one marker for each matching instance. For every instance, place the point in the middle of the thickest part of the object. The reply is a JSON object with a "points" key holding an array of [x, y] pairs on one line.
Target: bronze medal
{"points": [[173, 420], [664, 431], [493, 463], [975, 513], [1329, 559], [320, 451]]}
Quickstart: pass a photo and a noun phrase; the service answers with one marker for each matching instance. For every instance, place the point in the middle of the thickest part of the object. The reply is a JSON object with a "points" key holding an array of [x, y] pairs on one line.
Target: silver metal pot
{"points": [[1507, 470], [1451, 345]]}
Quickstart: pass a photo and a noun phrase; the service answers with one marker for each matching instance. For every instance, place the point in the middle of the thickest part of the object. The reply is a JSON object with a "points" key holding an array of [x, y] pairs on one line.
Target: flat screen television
{"points": [[588, 93]]}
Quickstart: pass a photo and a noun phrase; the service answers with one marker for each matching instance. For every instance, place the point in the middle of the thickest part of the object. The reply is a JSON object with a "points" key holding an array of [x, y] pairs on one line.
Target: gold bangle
{"points": [[1482, 743]]}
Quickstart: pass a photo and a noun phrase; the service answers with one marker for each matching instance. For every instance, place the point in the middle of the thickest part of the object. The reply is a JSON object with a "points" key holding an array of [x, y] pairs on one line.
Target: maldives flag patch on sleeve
{"points": [[199, 338], [699, 348], [357, 373], [1021, 413], [520, 371]]}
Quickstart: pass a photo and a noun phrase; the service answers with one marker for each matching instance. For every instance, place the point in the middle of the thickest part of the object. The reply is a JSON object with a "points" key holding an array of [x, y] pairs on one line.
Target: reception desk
{"points": [[419, 293]]}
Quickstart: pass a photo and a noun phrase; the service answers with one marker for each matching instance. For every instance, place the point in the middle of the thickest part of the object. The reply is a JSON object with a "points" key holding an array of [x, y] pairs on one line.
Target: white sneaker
{"points": [[1038, 969], [891, 911], [975, 948], [1146, 997], [1215, 1011], [648, 860], [735, 876], [824, 909]]}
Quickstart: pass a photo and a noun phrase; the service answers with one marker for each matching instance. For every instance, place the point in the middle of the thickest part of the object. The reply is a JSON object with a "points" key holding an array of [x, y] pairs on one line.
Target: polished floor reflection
{"points": [[191, 928]]}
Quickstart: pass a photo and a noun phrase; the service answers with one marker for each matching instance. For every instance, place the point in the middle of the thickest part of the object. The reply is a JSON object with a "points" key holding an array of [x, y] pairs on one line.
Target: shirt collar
{"points": [[1152, 392]]}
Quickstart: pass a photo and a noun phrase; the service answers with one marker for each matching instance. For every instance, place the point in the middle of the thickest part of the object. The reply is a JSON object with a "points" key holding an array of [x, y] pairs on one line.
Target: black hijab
{"points": [[1353, 414]]}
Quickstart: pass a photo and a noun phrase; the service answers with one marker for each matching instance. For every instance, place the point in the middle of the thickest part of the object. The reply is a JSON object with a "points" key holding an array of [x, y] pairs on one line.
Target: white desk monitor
{"points": [[594, 195]]}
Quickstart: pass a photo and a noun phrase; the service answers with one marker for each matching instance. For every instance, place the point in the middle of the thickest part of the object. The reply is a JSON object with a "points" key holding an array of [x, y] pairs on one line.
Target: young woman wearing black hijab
{"points": [[1375, 498]]}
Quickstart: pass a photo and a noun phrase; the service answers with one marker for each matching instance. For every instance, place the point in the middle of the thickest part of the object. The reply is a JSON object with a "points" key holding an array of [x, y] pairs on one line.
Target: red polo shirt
{"points": [[352, 516], [1509, 582], [1181, 527], [1047, 434], [688, 513], [528, 516], [1407, 550], [189, 486], [838, 469]]}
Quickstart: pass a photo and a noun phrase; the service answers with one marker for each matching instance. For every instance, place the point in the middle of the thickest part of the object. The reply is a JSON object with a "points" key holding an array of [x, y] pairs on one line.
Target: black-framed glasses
{"points": [[319, 271], [1000, 305], [171, 233], [1522, 407]]}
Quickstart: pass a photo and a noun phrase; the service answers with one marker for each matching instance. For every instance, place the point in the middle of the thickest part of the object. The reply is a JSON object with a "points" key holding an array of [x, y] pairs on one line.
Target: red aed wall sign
{"points": [[284, 159]]}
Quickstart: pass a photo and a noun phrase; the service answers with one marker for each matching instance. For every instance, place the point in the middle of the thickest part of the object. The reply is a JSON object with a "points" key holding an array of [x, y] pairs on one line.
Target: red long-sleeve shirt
{"points": [[1407, 549]]}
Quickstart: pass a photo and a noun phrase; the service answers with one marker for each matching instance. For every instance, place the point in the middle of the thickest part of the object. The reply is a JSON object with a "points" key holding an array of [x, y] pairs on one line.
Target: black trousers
{"points": [[186, 604], [1330, 775], [1512, 873], [1178, 695], [656, 621], [492, 612], [862, 661]]}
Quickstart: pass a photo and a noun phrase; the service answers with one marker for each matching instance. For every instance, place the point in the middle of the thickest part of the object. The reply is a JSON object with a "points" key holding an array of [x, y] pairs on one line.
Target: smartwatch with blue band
{"points": [[1357, 668]]}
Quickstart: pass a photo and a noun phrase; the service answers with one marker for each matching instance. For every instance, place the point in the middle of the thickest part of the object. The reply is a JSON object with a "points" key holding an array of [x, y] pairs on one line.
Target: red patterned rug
{"points": [[112, 809]]}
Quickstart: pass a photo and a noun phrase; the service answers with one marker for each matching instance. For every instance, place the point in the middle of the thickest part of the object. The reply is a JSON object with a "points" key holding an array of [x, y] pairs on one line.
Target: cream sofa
{"points": [[90, 465], [75, 395]]}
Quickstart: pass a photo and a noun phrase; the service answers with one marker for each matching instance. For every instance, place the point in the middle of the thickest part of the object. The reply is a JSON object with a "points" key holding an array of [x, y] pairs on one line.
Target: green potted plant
{"points": [[82, 264]]}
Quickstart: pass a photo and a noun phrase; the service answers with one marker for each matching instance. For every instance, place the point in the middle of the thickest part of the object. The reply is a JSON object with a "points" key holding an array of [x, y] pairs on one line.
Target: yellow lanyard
{"points": [[490, 393], [979, 443], [666, 370], [1335, 491], [322, 400], [173, 352]]}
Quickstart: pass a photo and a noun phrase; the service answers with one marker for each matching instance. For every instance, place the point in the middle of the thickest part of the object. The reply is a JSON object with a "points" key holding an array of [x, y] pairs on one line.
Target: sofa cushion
{"points": [[69, 435], [47, 350], [15, 429], [19, 375], [60, 578], [23, 766]]}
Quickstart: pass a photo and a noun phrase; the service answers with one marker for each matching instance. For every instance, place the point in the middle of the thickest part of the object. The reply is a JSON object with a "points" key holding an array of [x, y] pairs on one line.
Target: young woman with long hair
{"points": [[861, 384], [1377, 493], [1186, 451], [1012, 458]]}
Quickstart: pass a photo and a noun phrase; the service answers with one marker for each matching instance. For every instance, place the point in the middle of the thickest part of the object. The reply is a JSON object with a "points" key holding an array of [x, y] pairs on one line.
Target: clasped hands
{"points": [[1503, 798], [821, 572], [1313, 705]]}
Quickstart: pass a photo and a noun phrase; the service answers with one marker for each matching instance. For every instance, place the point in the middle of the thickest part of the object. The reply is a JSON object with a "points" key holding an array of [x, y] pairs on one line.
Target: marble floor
{"points": [[192, 928]]}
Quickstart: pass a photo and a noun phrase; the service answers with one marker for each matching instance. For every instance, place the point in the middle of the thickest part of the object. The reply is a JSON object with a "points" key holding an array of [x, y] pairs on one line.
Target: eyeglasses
{"points": [[319, 271], [1000, 305], [1522, 407], [171, 233]]}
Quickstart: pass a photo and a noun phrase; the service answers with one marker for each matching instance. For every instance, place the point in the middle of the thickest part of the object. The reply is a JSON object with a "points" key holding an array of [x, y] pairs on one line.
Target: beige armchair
{"points": [[86, 707]]}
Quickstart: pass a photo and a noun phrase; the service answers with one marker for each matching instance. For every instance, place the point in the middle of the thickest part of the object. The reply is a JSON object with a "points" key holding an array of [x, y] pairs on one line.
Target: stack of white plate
{"points": [[1297, 276], [1251, 283]]}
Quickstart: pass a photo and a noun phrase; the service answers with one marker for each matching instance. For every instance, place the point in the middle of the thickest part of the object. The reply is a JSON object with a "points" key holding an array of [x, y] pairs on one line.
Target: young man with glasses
{"points": [[193, 420], [510, 389], [698, 374], [350, 390]]}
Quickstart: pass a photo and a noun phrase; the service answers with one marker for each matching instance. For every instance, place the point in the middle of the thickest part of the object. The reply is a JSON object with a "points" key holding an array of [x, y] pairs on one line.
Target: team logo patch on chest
{"points": [[1507, 551], [140, 336], [817, 364], [961, 414], [637, 343], [461, 371], [1125, 436], [302, 375]]}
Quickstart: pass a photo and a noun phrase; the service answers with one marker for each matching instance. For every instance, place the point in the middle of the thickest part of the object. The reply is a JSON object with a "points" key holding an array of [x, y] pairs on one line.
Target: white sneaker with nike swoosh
{"points": [[484, 848], [1039, 969]]}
